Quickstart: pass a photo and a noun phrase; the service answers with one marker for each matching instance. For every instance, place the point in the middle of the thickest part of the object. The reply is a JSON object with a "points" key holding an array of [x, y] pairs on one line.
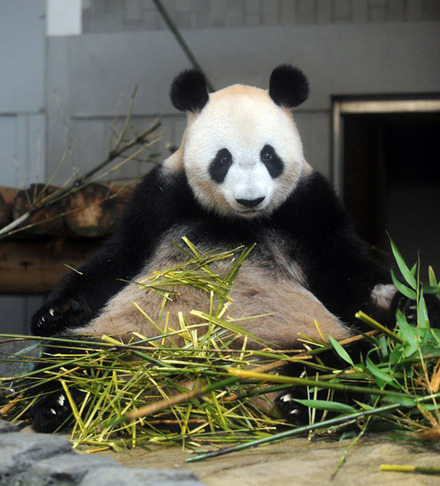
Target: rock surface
{"points": [[30, 459], [298, 461]]}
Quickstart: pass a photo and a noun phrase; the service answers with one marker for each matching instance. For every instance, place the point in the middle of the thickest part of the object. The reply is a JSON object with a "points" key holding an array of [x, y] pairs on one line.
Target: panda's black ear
{"points": [[288, 86], [188, 91]]}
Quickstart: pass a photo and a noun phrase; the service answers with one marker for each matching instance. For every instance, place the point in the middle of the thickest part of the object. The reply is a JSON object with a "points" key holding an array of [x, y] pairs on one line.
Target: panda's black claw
{"points": [[292, 411], [432, 302], [53, 411], [56, 316], [409, 309], [50, 412]]}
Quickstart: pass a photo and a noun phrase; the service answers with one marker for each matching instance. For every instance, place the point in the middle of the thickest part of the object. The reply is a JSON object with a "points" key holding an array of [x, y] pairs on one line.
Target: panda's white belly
{"points": [[267, 286]]}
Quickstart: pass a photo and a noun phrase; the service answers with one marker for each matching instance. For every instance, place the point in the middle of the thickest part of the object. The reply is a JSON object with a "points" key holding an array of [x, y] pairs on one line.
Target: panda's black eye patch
{"points": [[220, 165], [270, 159]]}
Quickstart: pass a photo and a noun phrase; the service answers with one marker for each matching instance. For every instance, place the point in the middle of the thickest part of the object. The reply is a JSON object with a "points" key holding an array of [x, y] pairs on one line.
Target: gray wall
{"points": [[90, 71], [122, 15], [22, 120], [22, 94], [62, 90]]}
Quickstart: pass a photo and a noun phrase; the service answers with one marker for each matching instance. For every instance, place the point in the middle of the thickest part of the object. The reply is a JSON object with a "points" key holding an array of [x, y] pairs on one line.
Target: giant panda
{"points": [[239, 177]]}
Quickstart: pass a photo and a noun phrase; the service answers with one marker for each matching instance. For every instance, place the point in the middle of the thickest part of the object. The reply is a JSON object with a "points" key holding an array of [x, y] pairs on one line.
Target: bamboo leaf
{"points": [[327, 405], [432, 278], [422, 315], [340, 350], [408, 333], [187, 396], [403, 289], [404, 401], [378, 373], [407, 274], [429, 289], [229, 325]]}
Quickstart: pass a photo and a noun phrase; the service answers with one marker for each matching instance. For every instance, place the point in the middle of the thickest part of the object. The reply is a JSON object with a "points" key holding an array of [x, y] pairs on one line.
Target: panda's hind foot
{"points": [[56, 316], [52, 411], [292, 411]]}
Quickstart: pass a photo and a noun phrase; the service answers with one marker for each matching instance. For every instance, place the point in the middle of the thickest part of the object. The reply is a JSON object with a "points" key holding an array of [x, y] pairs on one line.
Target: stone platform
{"points": [[30, 459]]}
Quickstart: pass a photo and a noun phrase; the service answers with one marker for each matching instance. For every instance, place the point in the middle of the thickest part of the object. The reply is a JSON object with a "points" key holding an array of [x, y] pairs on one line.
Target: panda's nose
{"points": [[250, 203]]}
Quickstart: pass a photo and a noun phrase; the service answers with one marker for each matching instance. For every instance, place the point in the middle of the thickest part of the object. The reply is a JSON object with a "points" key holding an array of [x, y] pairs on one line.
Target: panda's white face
{"points": [[242, 153]]}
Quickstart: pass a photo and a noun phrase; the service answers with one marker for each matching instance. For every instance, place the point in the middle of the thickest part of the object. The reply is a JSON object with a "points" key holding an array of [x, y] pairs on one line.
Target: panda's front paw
{"points": [[56, 316], [50, 412], [292, 411], [432, 301]]}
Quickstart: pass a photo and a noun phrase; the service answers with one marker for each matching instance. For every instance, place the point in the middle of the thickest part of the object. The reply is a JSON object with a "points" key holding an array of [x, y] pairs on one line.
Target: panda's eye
{"points": [[225, 158], [267, 154], [270, 159], [220, 165]]}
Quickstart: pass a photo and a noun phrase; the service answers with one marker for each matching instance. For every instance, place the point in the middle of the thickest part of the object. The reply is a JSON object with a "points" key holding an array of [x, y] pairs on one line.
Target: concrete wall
{"points": [[121, 15], [60, 92], [90, 71], [22, 121]]}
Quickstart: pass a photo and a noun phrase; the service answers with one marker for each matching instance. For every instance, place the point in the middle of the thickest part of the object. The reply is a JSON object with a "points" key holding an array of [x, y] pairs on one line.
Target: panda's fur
{"points": [[258, 289], [238, 178]]}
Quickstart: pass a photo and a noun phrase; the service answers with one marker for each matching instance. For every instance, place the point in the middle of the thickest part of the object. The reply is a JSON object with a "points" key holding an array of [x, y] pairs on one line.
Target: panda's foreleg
{"points": [[409, 308], [80, 295], [74, 302]]}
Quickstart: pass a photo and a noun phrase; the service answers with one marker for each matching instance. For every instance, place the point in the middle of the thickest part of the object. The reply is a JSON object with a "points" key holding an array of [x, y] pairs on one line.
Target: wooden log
{"points": [[47, 221], [7, 196], [122, 193], [34, 267], [92, 211]]}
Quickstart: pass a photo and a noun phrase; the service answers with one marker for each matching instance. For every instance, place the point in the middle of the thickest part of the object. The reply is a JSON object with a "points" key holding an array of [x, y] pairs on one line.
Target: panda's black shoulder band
{"points": [[188, 91], [288, 86]]}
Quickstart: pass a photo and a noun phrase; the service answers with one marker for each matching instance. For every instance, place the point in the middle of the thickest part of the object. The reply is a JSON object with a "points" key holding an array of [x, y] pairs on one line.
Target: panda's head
{"points": [[241, 151]]}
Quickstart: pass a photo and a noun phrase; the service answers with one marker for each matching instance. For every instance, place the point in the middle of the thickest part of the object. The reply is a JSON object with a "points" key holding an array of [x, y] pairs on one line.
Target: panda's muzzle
{"points": [[250, 203]]}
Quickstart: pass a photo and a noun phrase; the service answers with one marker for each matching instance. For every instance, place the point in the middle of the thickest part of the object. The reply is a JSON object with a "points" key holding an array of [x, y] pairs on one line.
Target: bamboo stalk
{"points": [[376, 325], [291, 380], [410, 469], [303, 430]]}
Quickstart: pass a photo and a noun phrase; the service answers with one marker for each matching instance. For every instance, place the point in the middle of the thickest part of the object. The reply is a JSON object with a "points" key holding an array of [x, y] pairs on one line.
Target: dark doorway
{"points": [[391, 181]]}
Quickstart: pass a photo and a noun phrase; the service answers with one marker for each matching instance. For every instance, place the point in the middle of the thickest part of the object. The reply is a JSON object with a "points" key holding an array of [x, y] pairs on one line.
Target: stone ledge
{"points": [[31, 459]]}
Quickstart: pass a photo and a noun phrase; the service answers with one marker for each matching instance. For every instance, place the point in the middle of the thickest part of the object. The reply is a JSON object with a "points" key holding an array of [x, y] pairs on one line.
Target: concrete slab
{"points": [[299, 461]]}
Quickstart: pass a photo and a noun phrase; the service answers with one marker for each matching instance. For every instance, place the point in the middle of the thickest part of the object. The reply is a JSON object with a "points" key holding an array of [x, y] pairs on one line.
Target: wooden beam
{"points": [[34, 267], [7, 196], [91, 212], [94, 211]]}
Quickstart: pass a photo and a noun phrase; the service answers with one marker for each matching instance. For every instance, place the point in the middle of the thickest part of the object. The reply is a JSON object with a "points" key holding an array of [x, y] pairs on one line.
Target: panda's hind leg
{"points": [[292, 411], [52, 408]]}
